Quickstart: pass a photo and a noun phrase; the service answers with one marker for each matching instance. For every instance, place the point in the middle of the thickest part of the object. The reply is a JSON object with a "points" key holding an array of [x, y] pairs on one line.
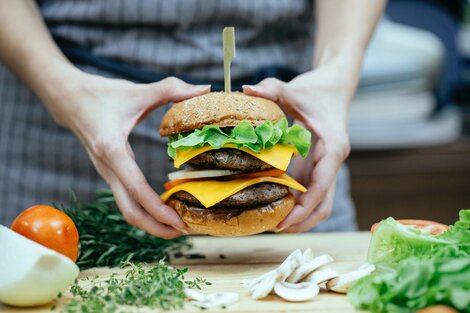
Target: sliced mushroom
{"points": [[293, 259], [321, 276], [194, 295], [261, 286], [367, 266], [343, 282], [250, 283], [296, 292], [211, 300], [307, 255], [308, 267], [289, 265]]}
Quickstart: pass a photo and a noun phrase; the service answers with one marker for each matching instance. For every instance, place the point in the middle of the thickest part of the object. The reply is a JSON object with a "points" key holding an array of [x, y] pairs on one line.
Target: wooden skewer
{"points": [[228, 42]]}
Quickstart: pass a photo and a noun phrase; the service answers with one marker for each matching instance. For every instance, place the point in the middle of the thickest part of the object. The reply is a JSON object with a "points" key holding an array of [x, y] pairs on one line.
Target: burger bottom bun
{"points": [[233, 222]]}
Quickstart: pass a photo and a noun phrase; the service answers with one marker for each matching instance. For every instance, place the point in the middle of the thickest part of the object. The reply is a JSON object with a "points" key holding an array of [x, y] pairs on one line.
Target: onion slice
{"points": [[191, 174]]}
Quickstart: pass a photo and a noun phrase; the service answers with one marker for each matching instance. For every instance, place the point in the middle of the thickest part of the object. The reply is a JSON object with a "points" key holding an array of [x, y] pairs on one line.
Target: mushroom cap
{"points": [[210, 300], [321, 276], [308, 267], [296, 292], [343, 282]]}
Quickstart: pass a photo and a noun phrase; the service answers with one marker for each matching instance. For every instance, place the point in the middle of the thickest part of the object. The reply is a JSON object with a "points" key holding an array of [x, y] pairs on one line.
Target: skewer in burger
{"points": [[236, 149]]}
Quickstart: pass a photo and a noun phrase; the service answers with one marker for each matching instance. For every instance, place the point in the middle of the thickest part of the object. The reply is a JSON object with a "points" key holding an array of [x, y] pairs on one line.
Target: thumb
{"points": [[173, 89], [269, 88], [170, 89]]}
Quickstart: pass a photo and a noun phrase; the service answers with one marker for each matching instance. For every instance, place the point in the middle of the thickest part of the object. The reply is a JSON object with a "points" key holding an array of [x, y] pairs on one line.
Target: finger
{"points": [[134, 181], [321, 180], [269, 88], [136, 216], [131, 210], [319, 214], [168, 90], [277, 91], [173, 89], [129, 150], [304, 206], [323, 175]]}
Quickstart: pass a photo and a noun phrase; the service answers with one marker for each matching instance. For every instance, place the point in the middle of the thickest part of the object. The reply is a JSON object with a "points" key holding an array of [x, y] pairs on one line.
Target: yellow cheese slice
{"points": [[210, 192], [278, 157]]}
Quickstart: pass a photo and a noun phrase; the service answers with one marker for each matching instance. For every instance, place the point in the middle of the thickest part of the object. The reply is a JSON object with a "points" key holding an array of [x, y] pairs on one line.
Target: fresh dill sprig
{"points": [[151, 287], [107, 240]]}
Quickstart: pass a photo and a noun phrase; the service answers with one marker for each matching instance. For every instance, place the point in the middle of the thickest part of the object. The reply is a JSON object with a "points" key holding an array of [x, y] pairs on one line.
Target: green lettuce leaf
{"points": [[460, 231], [244, 135], [415, 284], [297, 136], [416, 269], [393, 242]]}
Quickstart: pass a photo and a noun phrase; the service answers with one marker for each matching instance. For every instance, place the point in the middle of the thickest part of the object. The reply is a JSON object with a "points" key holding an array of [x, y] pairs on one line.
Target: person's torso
{"points": [[183, 37]]}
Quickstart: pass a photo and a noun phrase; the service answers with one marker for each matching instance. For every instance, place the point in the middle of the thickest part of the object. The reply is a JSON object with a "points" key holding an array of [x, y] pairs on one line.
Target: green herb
{"points": [[107, 240], [416, 269], [150, 287], [244, 135], [415, 284], [196, 283]]}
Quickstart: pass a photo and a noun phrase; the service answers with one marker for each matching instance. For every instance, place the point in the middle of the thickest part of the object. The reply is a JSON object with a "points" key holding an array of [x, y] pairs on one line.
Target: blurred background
{"points": [[410, 119]]}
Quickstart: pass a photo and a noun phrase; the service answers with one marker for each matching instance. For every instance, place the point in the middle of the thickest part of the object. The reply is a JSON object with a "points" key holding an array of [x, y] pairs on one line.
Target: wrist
{"points": [[53, 85], [342, 70], [57, 86]]}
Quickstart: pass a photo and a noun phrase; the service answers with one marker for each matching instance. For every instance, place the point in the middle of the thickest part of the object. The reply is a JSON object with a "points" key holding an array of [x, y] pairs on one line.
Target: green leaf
{"points": [[393, 242], [415, 284], [193, 139], [264, 133], [244, 135], [278, 129], [416, 269], [299, 137], [143, 287], [460, 231]]}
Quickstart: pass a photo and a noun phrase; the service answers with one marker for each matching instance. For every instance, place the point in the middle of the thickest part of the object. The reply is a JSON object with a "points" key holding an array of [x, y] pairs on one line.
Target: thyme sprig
{"points": [[151, 287], [107, 240]]}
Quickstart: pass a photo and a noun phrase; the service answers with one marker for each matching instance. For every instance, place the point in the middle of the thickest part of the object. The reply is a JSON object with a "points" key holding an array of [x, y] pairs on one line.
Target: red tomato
{"points": [[49, 227], [431, 227], [173, 183]]}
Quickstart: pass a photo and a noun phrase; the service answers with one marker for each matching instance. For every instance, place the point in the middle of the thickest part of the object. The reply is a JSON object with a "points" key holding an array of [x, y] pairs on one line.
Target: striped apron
{"points": [[145, 41]]}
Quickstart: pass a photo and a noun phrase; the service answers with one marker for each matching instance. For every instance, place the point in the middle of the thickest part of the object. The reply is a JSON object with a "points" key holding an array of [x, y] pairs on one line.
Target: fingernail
{"points": [[201, 87], [184, 231], [249, 86], [279, 229]]}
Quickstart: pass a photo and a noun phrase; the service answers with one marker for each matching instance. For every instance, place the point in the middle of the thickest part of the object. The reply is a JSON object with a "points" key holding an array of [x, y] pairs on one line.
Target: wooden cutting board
{"points": [[225, 262]]}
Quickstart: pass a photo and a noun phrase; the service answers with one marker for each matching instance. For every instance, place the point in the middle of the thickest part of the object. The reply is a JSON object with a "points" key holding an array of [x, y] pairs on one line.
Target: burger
{"points": [[235, 150]]}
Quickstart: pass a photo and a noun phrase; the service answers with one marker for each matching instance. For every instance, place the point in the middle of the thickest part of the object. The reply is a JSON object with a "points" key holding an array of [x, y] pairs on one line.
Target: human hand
{"points": [[318, 100], [102, 112]]}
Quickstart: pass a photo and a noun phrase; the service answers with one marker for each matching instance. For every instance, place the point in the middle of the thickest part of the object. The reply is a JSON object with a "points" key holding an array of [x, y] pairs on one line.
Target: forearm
{"points": [[29, 50], [343, 30]]}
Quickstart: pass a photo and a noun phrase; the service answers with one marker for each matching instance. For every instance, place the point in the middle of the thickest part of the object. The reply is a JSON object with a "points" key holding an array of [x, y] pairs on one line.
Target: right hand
{"points": [[102, 112]]}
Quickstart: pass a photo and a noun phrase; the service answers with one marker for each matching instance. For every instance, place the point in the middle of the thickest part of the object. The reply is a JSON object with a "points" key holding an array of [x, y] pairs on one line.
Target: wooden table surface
{"points": [[225, 262]]}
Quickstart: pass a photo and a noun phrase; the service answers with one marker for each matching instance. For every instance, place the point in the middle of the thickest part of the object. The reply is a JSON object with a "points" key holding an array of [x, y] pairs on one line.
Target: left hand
{"points": [[318, 100]]}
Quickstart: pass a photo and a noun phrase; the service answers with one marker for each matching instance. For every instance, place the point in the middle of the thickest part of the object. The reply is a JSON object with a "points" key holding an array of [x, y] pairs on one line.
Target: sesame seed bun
{"points": [[218, 108]]}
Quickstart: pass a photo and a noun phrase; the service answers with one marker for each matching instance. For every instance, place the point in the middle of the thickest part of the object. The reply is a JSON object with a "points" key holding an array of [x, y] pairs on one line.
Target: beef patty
{"points": [[231, 159], [259, 194]]}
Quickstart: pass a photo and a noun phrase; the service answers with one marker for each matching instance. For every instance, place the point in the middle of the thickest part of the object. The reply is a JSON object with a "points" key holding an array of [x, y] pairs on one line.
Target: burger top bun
{"points": [[218, 108]]}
